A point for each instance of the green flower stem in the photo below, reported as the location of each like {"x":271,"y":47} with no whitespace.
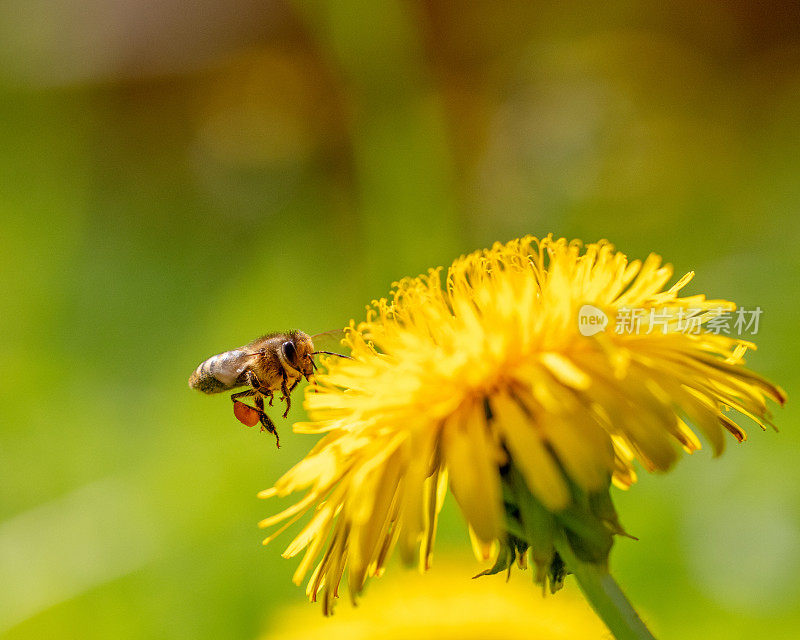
{"x":604,"y":594}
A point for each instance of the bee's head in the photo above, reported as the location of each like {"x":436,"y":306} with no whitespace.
{"x":297,"y":353}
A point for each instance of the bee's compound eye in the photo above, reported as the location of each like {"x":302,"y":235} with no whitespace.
{"x":289,"y":351}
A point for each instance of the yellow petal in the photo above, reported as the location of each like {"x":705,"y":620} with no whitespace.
{"x":468,"y":453}
{"x":529,"y":453}
{"x":564,"y":370}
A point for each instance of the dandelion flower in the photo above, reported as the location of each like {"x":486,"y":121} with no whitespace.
{"x":483,"y":382}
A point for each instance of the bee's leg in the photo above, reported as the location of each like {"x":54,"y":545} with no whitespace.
{"x":287,"y":394}
{"x":244,"y":413}
{"x":252,"y":380}
{"x":266,"y":422}
{"x":286,"y":397}
{"x":243,"y":394}
{"x":294,"y":384}
{"x":284,"y":390}
{"x":236,"y":401}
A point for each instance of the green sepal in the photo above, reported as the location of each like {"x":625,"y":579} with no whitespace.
{"x":538,"y":525}
{"x":589,"y":523}
{"x":590,"y":536}
{"x":505,"y":559}
{"x":601,"y":505}
{"x":557,"y":573}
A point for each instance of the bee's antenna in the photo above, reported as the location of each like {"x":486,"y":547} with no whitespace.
{"x":331,"y":353}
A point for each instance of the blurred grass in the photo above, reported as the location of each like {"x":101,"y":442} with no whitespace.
{"x":157,"y":211}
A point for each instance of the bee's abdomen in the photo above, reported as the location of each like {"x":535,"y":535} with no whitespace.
{"x":206,"y":382}
{"x":220,"y":372}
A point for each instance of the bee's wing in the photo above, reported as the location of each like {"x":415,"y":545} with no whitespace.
{"x":231,"y":364}
{"x":329,"y":340}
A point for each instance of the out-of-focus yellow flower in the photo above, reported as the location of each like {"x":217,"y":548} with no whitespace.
{"x":445,"y":606}
{"x":486,"y":384}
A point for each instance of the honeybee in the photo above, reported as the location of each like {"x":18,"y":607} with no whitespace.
{"x":271,"y":363}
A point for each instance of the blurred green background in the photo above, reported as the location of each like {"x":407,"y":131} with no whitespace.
{"x":178,"y":178}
